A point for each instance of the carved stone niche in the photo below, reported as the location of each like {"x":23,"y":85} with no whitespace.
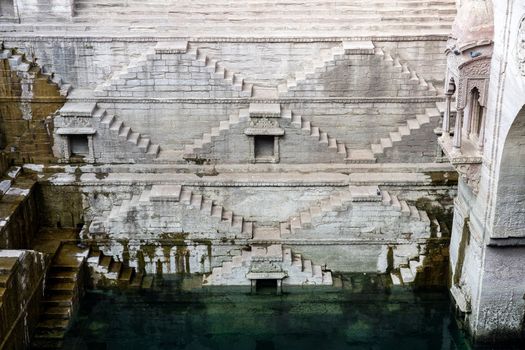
{"x":264,"y":133}
{"x":473,"y":74}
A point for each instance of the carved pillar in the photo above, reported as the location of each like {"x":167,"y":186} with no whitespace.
{"x":457,"y":131}
{"x":446,"y":116}
{"x":481,"y":135}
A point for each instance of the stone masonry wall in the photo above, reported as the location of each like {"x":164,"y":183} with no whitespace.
{"x":266,"y":63}
{"x":20,"y":306}
{"x":172,"y":125}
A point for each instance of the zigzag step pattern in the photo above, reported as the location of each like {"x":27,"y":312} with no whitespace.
{"x":297,"y":270}
{"x":213,"y":66}
{"x":406,"y":274}
{"x":404,"y":131}
{"x":116,"y":272}
{"x":118,"y":128}
{"x":337,"y":53}
{"x":338,"y":202}
{"x":243,"y":115}
{"x":176,"y":193}
{"x":406,"y":70}
{"x":18,"y":63}
{"x":112,"y":123}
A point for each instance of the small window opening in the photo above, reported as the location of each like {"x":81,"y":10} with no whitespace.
{"x":264,"y":148}
{"x":78,"y":145}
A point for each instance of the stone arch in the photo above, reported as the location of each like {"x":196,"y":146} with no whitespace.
{"x":475,"y":113}
{"x":510,"y":200}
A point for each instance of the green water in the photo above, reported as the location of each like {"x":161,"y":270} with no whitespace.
{"x":362,"y":315}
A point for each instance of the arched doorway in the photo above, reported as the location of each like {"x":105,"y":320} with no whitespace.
{"x":510,"y":203}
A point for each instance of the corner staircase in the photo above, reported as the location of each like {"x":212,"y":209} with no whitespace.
{"x":406,"y":274}
{"x":105,"y":271}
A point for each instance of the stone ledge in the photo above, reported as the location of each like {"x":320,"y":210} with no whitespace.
{"x":82,"y":37}
{"x":286,"y":242}
{"x":140,"y":100}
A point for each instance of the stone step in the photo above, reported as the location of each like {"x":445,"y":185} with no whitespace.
{"x":307,"y":267}
{"x":260,"y":110}
{"x":165,"y":193}
{"x":406,"y":275}
{"x":185,"y":196}
{"x":57,"y":312}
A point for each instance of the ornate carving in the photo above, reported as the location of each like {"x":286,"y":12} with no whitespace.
{"x":264,"y":123}
{"x":75,"y":122}
{"x":265,"y":266}
{"x":520,"y":47}
{"x":473,"y":74}
{"x":471,"y":174}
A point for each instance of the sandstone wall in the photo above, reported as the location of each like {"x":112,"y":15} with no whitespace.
{"x":20,"y":308}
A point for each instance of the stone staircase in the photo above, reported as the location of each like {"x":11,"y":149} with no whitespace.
{"x":306,"y":82}
{"x":406,"y":71}
{"x":253,"y":16}
{"x":110,"y":125}
{"x":63,"y":289}
{"x":219,"y":71}
{"x":403,"y":207}
{"x":337,"y":202}
{"x":105,"y":271}
{"x":192,"y":151}
{"x":117,"y":127}
{"x":128,"y":78}
{"x":224,"y":220}
{"x":317,"y":135}
{"x":314,"y":133}
{"x":267,"y":260}
{"x":340,"y":202}
{"x":18,"y":63}
{"x":403,"y":133}
{"x":406,"y":274}
{"x":312,"y":67}
{"x":131,"y":69}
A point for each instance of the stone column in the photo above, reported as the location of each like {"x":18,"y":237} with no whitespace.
{"x":481,"y":135}
{"x":457,"y":131}
{"x":446,"y":116}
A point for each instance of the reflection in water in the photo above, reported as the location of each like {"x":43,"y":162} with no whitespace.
{"x":363,"y":315}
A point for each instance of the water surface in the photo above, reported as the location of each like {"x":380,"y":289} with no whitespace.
{"x":365,"y":314}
